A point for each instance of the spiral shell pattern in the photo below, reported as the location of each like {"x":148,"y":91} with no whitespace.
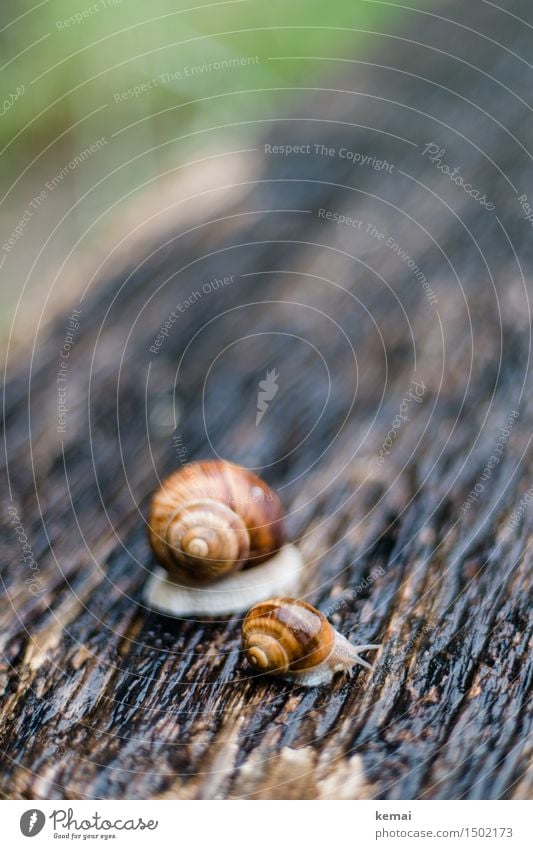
{"x":285,"y":635}
{"x":211,"y":518}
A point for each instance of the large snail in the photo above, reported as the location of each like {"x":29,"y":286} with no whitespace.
{"x":217,"y":531}
{"x":286,"y":637}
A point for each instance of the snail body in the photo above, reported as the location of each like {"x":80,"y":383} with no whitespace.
{"x":290,"y":638}
{"x":217,"y":531}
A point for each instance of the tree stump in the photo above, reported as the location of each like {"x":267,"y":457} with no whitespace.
{"x":391,"y":299}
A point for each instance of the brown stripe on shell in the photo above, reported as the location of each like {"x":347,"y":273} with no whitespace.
{"x":255,"y":507}
{"x":304,"y":634}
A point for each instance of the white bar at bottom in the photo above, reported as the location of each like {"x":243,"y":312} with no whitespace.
{"x":247,"y":824}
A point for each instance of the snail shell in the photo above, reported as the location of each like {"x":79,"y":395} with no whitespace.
{"x":290,"y":638}
{"x":212,"y":518}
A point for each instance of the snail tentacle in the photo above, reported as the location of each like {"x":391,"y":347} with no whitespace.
{"x":346,"y":656}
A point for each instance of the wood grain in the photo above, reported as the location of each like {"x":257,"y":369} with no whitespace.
{"x":419,"y":551}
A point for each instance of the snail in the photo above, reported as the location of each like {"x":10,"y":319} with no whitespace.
{"x":290,"y":638}
{"x":217,"y":531}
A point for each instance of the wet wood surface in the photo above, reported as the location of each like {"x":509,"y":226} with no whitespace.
{"x":399,"y":442}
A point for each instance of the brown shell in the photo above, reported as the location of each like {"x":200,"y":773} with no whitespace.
{"x":211,"y":518}
{"x":285,"y":635}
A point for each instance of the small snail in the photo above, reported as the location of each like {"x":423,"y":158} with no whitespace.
{"x":217,"y":531}
{"x":286,"y":637}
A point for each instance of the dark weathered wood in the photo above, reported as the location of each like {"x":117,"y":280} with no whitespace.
{"x":106,"y":699}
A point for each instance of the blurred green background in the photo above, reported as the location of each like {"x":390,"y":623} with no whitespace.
{"x":75,"y":70}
